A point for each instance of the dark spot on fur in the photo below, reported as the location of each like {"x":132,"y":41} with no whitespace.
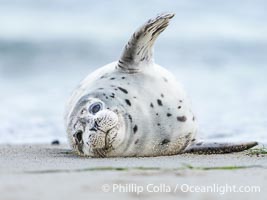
{"x":123,"y":90}
{"x":128,"y":102}
{"x":179,"y":107}
{"x":104,"y":94}
{"x":130,"y":117}
{"x":135,"y":128}
{"x":118,"y":65}
{"x":158,"y":124}
{"x":193,"y":140}
{"x":180,"y":101}
{"x":151,"y":105}
{"x":162,"y":95}
{"x":169,"y":114}
{"x":102,"y":77}
{"x":181,"y":118}
{"x":123,"y":77}
{"x":193,"y":118}
{"x":115,"y":89}
{"x":112,"y":95}
{"x":165,"y":79}
{"x":188,"y":135}
{"x":112,"y":78}
{"x":165,"y":141}
{"x":159,"y":102}
{"x":134,"y":97}
{"x":113,"y":85}
{"x":157,"y":114}
{"x":136,"y":141}
{"x":106,"y":97}
{"x":101,"y":88}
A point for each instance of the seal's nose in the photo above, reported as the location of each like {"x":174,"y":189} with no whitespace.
{"x":78,"y":136}
{"x":94,"y":127}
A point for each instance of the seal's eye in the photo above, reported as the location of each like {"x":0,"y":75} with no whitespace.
{"x":95,"y":107}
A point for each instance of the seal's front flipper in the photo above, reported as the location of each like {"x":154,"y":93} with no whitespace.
{"x":218,"y":148}
{"x":139,"y":50}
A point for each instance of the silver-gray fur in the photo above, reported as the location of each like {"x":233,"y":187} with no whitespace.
{"x":139,"y":49}
{"x":132,"y":107}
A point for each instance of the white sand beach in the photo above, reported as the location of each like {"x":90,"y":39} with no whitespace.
{"x":53,"y":172}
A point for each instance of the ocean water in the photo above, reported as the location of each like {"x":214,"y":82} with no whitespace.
{"x":217,"y":49}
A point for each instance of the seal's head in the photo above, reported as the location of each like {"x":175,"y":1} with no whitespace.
{"x":94,"y":130}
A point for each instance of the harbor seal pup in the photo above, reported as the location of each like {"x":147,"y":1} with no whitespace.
{"x":134,"y":107}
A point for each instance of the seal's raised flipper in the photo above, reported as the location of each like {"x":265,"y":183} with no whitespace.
{"x":218,"y":148}
{"x":139,"y":49}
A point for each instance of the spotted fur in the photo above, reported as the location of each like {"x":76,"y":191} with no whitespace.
{"x":147,"y":115}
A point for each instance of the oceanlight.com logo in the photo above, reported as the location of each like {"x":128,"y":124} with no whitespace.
{"x":221,"y":189}
{"x":165,"y":188}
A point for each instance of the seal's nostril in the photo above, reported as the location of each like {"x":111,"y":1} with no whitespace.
{"x":94,"y":128}
{"x":78,"y":135}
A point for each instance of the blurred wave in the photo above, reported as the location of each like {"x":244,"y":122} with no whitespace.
{"x":216,"y":49}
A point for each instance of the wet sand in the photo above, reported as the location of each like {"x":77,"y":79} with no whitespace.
{"x":53,"y":172}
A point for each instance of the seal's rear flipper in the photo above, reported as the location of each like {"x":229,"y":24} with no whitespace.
{"x":218,"y":148}
{"x":139,"y":49}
